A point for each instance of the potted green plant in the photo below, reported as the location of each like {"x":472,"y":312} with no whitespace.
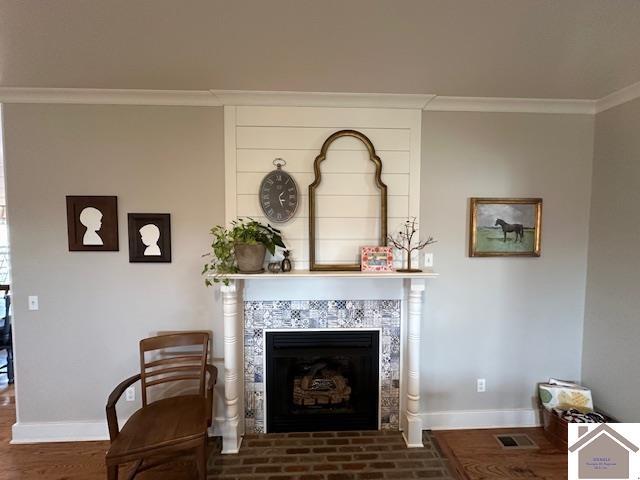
{"x":240,"y":248}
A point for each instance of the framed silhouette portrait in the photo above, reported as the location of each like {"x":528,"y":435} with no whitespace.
{"x":92,"y":223}
{"x":149,"y":237}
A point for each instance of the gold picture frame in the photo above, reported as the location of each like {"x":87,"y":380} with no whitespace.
{"x":313,"y":266}
{"x":505,"y":227}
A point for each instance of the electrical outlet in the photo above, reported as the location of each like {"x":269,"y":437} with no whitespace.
{"x":428,"y":259}
{"x":481,"y":385}
{"x":130,"y":394}
{"x":33,"y":302}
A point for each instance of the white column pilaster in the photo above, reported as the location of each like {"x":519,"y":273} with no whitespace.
{"x":233,"y":343}
{"x":413,"y":430}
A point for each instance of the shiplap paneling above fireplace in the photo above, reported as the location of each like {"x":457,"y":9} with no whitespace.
{"x":348,"y":201}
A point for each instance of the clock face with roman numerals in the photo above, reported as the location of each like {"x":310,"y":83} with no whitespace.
{"x":278,"y":196}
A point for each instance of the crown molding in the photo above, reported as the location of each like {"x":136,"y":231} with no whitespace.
{"x":619,"y":97}
{"x":321,"y":99}
{"x":96,"y":96}
{"x":436,"y":103}
{"x":510,"y":105}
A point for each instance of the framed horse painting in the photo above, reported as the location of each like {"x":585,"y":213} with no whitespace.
{"x":505,"y":227}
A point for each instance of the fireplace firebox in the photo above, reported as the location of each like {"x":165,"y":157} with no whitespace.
{"x":322,"y":380}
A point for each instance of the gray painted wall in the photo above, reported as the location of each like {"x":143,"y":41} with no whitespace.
{"x":488,"y":318}
{"x":95,"y":306}
{"x":513,"y":321}
{"x":612,"y":324}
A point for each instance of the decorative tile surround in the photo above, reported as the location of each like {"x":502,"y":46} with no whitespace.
{"x":321,"y":314}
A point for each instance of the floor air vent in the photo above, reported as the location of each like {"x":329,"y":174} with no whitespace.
{"x":516,"y":440}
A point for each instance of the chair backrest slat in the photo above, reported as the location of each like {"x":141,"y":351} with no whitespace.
{"x":175,"y":378}
{"x":180,"y":368}
{"x":174,"y":366}
{"x":179,"y":359}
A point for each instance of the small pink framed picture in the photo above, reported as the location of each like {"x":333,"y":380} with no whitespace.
{"x":376,"y":259}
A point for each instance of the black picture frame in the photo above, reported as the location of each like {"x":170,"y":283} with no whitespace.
{"x":158,"y":239}
{"x":92,"y":223}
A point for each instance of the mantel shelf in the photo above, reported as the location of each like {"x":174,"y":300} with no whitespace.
{"x":325,"y":274}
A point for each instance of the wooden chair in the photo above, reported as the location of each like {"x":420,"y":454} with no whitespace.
{"x":6,"y":338}
{"x":170,"y":427}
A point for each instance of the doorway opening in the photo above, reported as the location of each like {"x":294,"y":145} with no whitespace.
{"x":6,"y":333}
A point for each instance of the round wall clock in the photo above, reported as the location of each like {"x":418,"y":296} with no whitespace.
{"x":278,"y":194}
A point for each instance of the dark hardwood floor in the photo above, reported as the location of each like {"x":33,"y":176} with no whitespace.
{"x":296,"y":456}
{"x":68,"y":461}
{"x":476,"y":455}
{"x":324,"y":456}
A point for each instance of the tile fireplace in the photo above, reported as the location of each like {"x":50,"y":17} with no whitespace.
{"x":315,"y":318}
{"x":312,"y":351}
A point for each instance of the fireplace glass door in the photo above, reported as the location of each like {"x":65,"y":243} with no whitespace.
{"x":322,"y":380}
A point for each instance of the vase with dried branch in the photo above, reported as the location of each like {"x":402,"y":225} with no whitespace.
{"x":404,"y":241}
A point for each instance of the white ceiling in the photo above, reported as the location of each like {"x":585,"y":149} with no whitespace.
{"x":503,"y":48}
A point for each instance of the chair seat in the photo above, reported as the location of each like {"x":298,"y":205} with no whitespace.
{"x":164,"y":423}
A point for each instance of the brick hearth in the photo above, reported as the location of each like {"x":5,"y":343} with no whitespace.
{"x":330,"y":456}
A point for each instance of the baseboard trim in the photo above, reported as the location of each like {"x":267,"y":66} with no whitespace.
{"x":49,"y":432}
{"x":468,"y":419}
{"x":52,"y":432}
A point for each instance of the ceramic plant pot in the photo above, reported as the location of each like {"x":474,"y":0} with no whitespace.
{"x":250,"y":257}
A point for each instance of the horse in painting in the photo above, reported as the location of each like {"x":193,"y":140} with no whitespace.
{"x":511,"y":227}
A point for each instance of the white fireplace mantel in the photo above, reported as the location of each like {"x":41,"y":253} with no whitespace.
{"x":321,"y":274}
{"x":413,"y":286}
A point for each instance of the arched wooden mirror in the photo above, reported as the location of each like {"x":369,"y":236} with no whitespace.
{"x":314,"y":265}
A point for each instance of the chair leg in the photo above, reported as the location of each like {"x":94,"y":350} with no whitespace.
{"x":112,"y":472}
{"x":10,"y":374}
{"x":201,"y":460}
